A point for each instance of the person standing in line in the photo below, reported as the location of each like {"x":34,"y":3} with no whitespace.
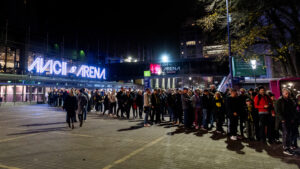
{"x":205,"y":109}
{"x":219,"y":111}
{"x":113,"y":103}
{"x":87,"y":104}
{"x":134,"y":105}
{"x":287,"y":110}
{"x":171,"y":104}
{"x":120,"y":99}
{"x":243,"y":115}
{"x":233,"y":106}
{"x":70,"y":105}
{"x":147,"y":106}
{"x":179,"y":111}
{"x":186,"y":106}
{"x":262,"y":102}
{"x":155,"y":103}
{"x":127,"y":103}
{"x":197,"y":105}
{"x":82,"y":103}
{"x":139,"y":101}
{"x":250,"y":127}
{"x":106,"y":102}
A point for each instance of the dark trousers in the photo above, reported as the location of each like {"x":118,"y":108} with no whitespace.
{"x":113,"y":108}
{"x":233,"y":125}
{"x":120,"y":108}
{"x":242,"y":124}
{"x":286,"y":134}
{"x":264,"y":122}
{"x":157,"y":114}
{"x":99,"y":107}
{"x":80,"y":117}
{"x":187,"y":118}
{"x":127,"y":110}
{"x":220,"y":118}
{"x":71,"y":117}
{"x":141,"y":111}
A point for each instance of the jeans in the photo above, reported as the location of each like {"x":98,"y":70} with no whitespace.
{"x":84,"y":110}
{"x":170,"y":112}
{"x":286,"y":135}
{"x":263,"y":123}
{"x":187,"y":118}
{"x":233,"y":125}
{"x":204,"y":114}
{"x":147,"y":110}
{"x":198,"y":115}
{"x":113,"y":107}
{"x":141,"y":111}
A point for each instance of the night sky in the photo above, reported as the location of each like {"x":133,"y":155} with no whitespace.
{"x":154,"y":23}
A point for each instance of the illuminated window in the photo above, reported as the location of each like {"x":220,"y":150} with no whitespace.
{"x":190,"y":43}
{"x":182,"y":52}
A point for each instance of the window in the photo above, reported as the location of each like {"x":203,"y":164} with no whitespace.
{"x":190,"y":43}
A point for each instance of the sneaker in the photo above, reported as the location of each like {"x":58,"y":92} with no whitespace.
{"x":288,"y":152}
{"x":197,"y":127}
{"x":233,"y":138}
{"x":219,"y":132}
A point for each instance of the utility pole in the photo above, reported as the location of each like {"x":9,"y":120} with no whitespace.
{"x":229,"y":46}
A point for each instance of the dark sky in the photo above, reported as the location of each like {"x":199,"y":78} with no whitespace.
{"x":155,"y":23}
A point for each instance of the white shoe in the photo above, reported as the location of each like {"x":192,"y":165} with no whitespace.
{"x":233,"y":138}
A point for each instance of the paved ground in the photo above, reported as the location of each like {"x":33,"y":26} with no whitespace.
{"x":36,"y":136}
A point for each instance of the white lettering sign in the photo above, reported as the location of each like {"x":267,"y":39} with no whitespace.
{"x":61,"y":68}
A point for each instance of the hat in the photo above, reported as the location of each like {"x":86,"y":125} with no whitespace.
{"x":185,"y":88}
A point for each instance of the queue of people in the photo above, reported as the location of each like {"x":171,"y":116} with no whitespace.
{"x":254,"y":114}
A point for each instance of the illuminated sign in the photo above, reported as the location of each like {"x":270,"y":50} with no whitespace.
{"x":155,"y":69}
{"x":147,"y":73}
{"x":61,"y":68}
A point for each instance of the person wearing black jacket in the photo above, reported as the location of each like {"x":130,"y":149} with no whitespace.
{"x":127,"y":103}
{"x":243,"y":114}
{"x":155,"y":101}
{"x":178,"y":108}
{"x":98,"y":101}
{"x":233,"y":110}
{"x":171,"y":105}
{"x":206,"y":108}
{"x":186,"y":106}
{"x":120,"y":99}
{"x":140,"y":103}
{"x":70,"y":105}
{"x":219,"y":111}
{"x":287,"y":110}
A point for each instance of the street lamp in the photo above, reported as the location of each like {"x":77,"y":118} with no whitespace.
{"x":229,"y":44}
{"x":253,"y":65}
{"x":165,"y":58}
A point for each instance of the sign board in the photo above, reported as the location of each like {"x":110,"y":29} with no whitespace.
{"x":147,"y":73}
{"x":170,"y":68}
{"x":147,"y":83}
{"x":155,"y":69}
{"x":55,"y":67}
{"x":243,"y":68}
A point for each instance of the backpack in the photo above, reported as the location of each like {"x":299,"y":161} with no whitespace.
{"x":83,"y":101}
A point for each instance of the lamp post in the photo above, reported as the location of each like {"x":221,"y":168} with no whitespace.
{"x":165,"y":58}
{"x":253,"y":65}
{"x":229,"y":45}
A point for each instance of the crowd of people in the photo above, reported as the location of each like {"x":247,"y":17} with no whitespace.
{"x":252,"y":114}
